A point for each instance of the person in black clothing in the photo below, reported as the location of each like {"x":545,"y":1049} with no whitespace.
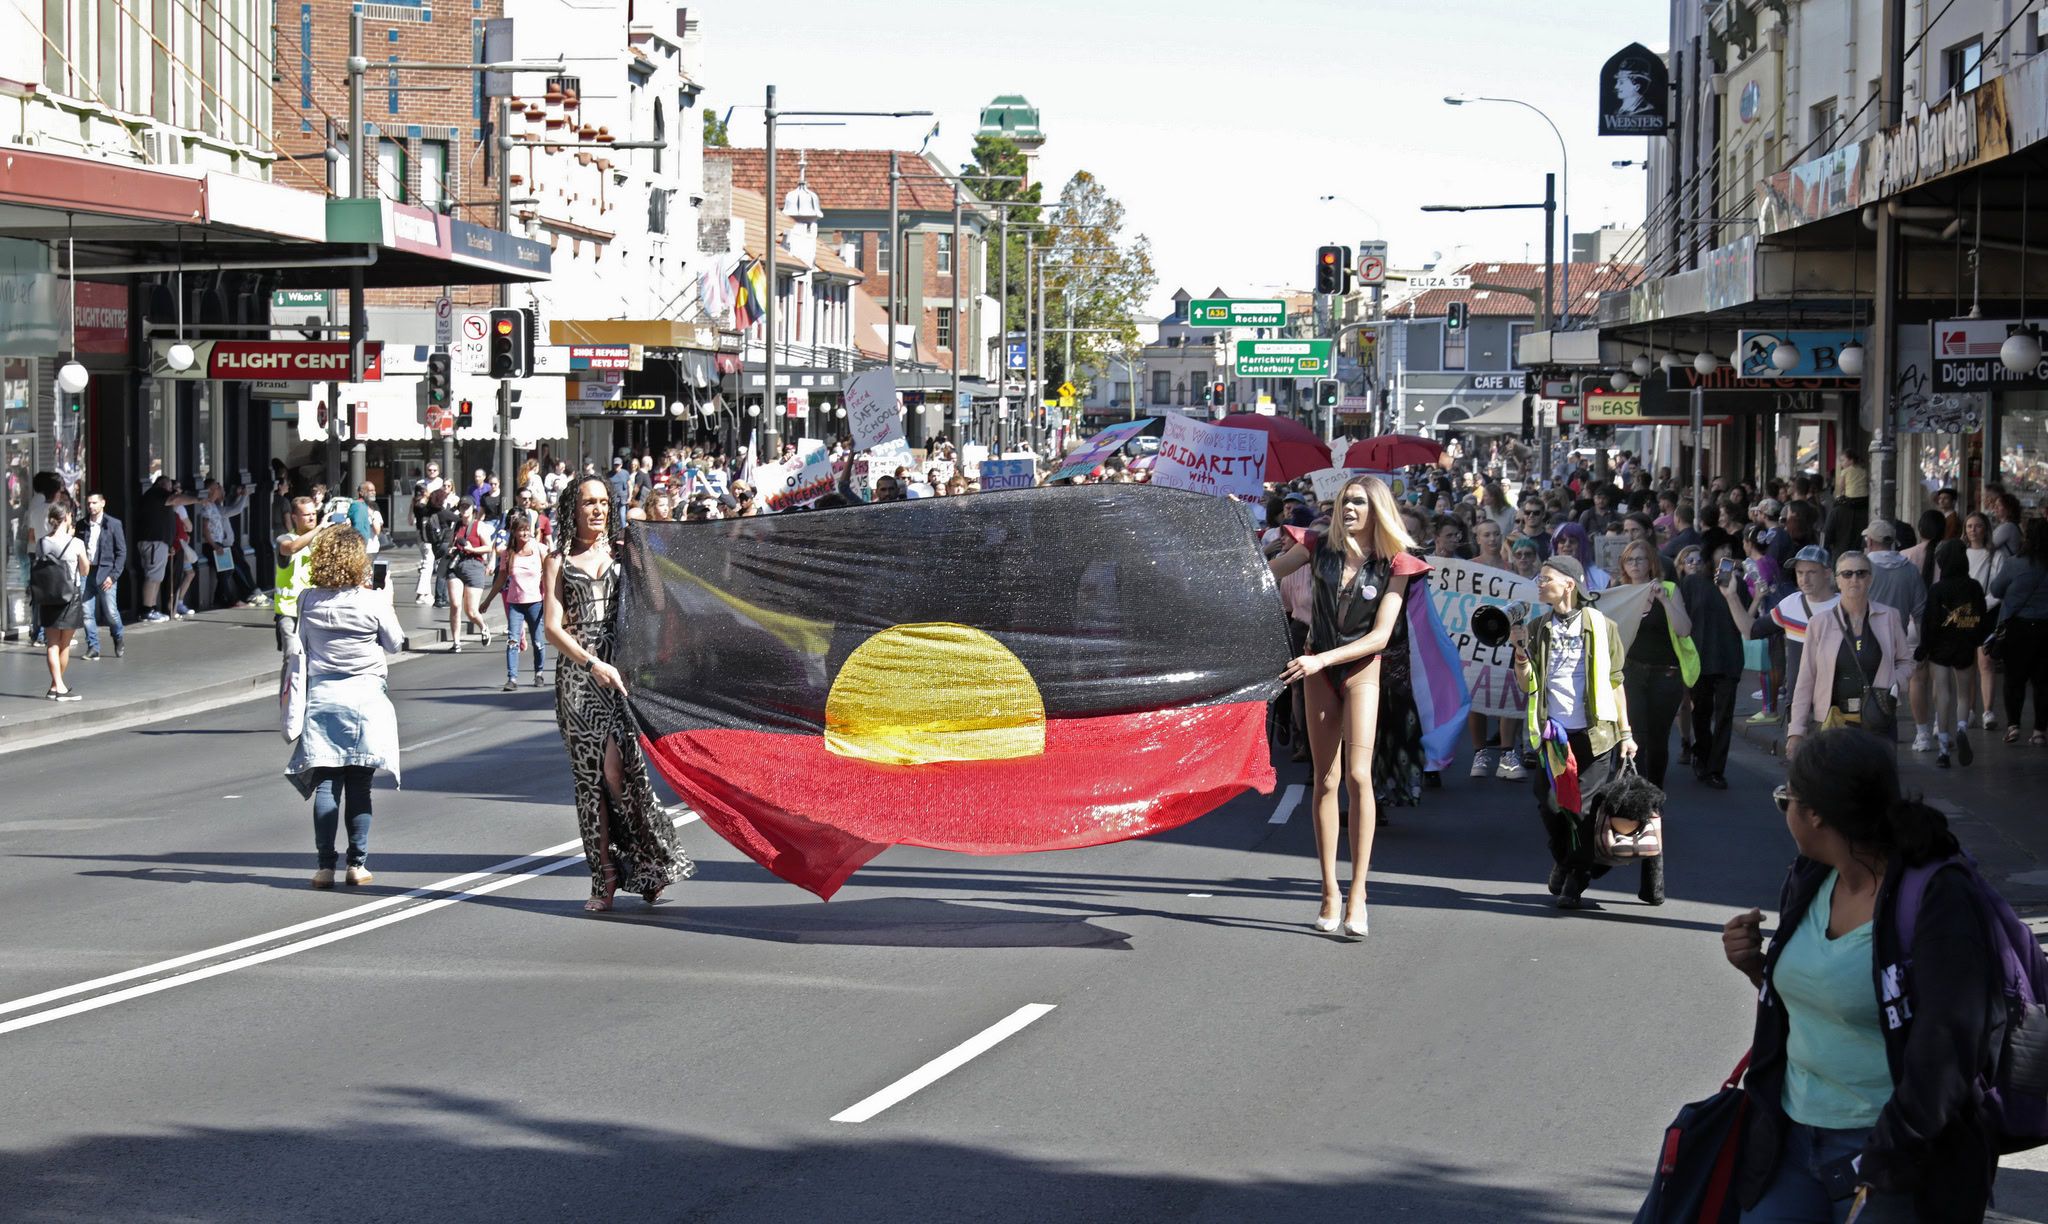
{"x":156,"y":539}
{"x":1683,"y":536}
{"x":1879,"y":1090}
{"x":430,"y":520}
{"x":1713,"y":601}
{"x":1954,"y":625}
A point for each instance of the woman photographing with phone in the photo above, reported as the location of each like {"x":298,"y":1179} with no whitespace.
{"x":1361,"y":570}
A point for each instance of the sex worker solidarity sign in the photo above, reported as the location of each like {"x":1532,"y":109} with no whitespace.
{"x":1211,"y":459}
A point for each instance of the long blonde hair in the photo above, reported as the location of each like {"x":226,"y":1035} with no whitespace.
{"x":1389,"y":535}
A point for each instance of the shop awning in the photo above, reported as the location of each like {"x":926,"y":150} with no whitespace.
{"x":648,"y":333}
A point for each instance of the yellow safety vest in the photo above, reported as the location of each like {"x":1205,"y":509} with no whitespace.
{"x":1600,"y":644}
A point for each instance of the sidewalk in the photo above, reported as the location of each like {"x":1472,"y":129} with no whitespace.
{"x":171,"y":668}
{"x":1989,"y":804}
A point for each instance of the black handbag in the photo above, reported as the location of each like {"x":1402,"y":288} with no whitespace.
{"x":1695,"y":1182}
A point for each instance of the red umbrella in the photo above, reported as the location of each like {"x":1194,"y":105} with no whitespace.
{"x":1292,"y":449}
{"x":1391,"y":452}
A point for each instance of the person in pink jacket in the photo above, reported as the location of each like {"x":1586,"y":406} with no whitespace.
{"x":1856,"y":643}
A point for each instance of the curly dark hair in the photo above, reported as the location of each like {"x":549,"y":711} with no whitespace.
{"x":565,"y":517}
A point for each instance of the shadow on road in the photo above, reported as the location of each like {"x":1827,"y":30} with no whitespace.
{"x":412,"y":1154}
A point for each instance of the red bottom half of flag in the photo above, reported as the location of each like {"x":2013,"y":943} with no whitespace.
{"x":812,"y":816}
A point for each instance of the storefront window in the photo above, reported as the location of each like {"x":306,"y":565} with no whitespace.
{"x":162,"y":402}
{"x":16,"y":374}
{"x":202,"y":436}
{"x":2023,"y":455}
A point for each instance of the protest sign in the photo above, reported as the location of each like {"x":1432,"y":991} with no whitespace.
{"x":971,"y":455}
{"x":885,"y":459}
{"x":872,"y":417}
{"x":1008,"y":474}
{"x":1092,"y":452}
{"x":1210,"y":458}
{"x":1607,"y":553}
{"x":784,"y":485}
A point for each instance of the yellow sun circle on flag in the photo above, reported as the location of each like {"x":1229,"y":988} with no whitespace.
{"x":919,"y":694}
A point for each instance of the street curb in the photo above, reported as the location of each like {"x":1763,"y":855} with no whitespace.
{"x":21,"y":736}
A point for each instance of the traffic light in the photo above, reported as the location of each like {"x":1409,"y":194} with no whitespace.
{"x":464,"y":413}
{"x":436,"y":389}
{"x":1328,"y":393}
{"x":1454,"y":316}
{"x":511,"y":341}
{"x":1217,"y":395}
{"x":1528,"y":418}
{"x":1208,"y":395}
{"x":1330,"y":269}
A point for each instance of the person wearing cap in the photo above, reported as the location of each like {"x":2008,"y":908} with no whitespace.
{"x":1568,"y":663}
{"x":1784,"y":623}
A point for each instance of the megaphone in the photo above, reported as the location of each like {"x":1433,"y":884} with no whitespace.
{"x":1492,"y":623}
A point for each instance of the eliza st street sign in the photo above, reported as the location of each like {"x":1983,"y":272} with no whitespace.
{"x":1235,"y":312}
{"x":1439,"y":280}
{"x":1284,"y":358}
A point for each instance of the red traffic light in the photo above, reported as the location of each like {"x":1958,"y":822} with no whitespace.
{"x":1329,"y":257}
{"x":504,"y":327}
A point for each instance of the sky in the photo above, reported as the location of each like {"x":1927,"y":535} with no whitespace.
{"x":1218,"y":125}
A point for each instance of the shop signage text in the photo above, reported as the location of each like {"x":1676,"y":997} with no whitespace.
{"x":1819,"y":353}
{"x":1497,"y":382}
{"x":1635,"y":93}
{"x":1283,"y":358}
{"x":269,"y":360}
{"x":1965,"y":356}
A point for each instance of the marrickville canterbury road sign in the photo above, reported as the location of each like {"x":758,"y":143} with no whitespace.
{"x":1233,"y":312}
{"x":1283,"y":358}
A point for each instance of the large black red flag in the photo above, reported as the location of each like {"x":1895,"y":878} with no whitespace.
{"x":1035,"y":669}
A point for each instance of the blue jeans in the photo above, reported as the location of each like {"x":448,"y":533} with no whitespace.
{"x":98,"y":600}
{"x":526,"y":617}
{"x":338,"y":794}
{"x":1797,"y":1195}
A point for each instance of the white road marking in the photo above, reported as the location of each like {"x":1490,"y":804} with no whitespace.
{"x":439,"y":739}
{"x":287,"y":949}
{"x":1289,"y":800}
{"x":945,"y":1064}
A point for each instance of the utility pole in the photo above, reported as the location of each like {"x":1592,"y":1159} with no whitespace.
{"x":953,"y":340}
{"x":1549,"y":300}
{"x":356,"y":319}
{"x":1884,"y":364}
{"x":502,"y":138}
{"x":895,"y":261}
{"x":1003,"y":314}
{"x":771,"y":404}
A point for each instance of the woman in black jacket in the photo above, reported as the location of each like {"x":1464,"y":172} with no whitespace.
{"x":1860,"y":1075}
{"x":1954,"y":625}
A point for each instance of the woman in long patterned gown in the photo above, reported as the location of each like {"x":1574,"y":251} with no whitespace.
{"x":628,"y":838}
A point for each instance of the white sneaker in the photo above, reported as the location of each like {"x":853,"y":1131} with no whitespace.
{"x":1923,"y":741}
{"x":1990,"y":721}
{"x":1483,"y":762}
{"x":1511,"y":768}
{"x":421,"y":599}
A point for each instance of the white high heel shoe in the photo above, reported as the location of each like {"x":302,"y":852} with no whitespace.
{"x":1357,"y":930}
{"x":1327,"y":925}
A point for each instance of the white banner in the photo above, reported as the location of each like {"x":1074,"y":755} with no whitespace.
{"x":871,"y":416}
{"x":1460,"y":588}
{"x":784,"y":485}
{"x":1328,"y":480}
{"x":1210,"y":458}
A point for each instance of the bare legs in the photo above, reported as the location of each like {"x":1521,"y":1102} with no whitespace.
{"x":614,"y":780}
{"x":1987,"y":680}
{"x":462,"y":601}
{"x":57,"y":655}
{"x":1341,"y":733}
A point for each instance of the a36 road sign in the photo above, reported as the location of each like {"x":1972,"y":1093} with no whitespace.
{"x":1234,"y":312}
{"x":1284,"y":358}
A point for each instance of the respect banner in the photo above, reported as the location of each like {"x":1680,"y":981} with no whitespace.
{"x":871,"y":411}
{"x":1458,"y":589}
{"x":1211,"y":459}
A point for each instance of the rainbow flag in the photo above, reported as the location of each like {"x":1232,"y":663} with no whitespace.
{"x":1561,"y":767}
{"x":1436,"y":671}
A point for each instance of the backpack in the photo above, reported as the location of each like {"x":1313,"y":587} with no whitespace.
{"x":2016,"y":1093}
{"x":52,"y":580}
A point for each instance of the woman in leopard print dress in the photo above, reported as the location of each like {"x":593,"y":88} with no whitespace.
{"x":627,"y":837}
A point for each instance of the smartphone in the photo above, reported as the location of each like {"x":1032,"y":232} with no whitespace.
{"x":380,"y":573}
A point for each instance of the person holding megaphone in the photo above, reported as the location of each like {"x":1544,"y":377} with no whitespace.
{"x":1568,"y":662}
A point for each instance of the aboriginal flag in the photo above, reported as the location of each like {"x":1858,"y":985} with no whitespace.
{"x":1032,"y":669}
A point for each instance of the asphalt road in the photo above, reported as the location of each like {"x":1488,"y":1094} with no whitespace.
{"x":505,"y":1057}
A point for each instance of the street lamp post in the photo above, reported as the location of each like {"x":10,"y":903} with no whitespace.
{"x":1564,"y":169}
{"x":773,"y":439}
{"x":1549,"y":207}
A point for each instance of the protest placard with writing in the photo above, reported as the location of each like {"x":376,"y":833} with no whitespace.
{"x":1328,"y":480}
{"x":871,"y":410}
{"x":1210,"y":458}
{"x":784,"y":485}
{"x":971,"y":455}
{"x":1458,"y":589}
{"x":1008,"y":474}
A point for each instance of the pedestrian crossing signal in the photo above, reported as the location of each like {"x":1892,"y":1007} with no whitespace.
{"x":464,"y":413}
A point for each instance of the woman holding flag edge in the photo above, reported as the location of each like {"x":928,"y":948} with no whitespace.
{"x":1361,"y":569}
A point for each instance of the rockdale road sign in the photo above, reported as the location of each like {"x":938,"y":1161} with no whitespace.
{"x":1283,"y":358}
{"x":1231,"y":312}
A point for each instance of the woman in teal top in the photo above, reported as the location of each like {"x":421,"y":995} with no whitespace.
{"x":1863,"y":1075}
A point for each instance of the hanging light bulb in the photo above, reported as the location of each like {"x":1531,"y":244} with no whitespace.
{"x":1851,"y":359}
{"x":2021,"y":352}
{"x":753,"y":410}
{"x":677,"y":409}
{"x":1706,"y":363}
{"x":707,"y":408}
{"x":1785,"y":356}
{"x":1622,"y":382}
{"x":839,"y":411}
{"x":179,"y":356}
{"x":1641,"y":365}
{"x":1670,"y":362}
{"x":71,"y":378}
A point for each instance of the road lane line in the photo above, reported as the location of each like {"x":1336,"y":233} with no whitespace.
{"x":1289,"y":800}
{"x":439,"y":739}
{"x":206,"y":954}
{"x":945,"y":1064}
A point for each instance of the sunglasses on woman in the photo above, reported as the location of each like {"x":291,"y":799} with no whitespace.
{"x":1784,"y":799}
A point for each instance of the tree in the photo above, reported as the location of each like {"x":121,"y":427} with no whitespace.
{"x":999,"y":155}
{"x":1094,"y":278}
{"x":715,"y":135}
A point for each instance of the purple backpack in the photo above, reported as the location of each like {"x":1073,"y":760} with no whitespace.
{"x":2017,"y":1090}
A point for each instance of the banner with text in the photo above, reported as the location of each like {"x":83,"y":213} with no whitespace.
{"x":1092,"y":452}
{"x":1210,"y":458}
